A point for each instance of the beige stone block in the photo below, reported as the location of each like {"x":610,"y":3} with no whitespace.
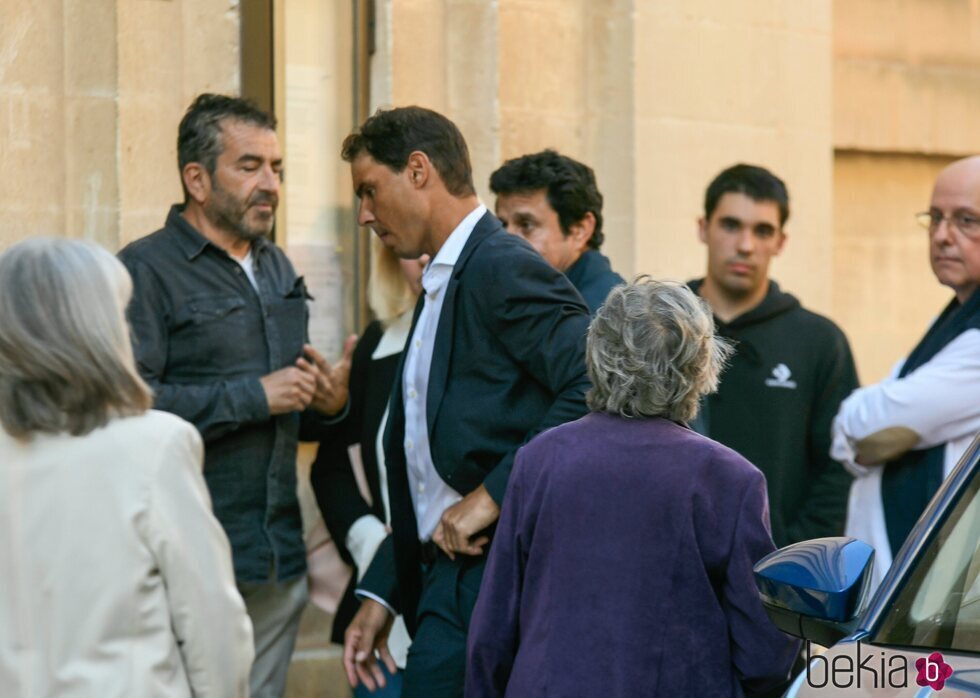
{"x":611,"y":152}
{"x":915,"y":32}
{"x":525,"y":131}
{"x":712,"y":63}
{"x":210,"y":41}
{"x":148,"y":150}
{"x":21,"y":222}
{"x":681,"y":74}
{"x":90,"y":47}
{"x":609,"y":71}
{"x":91,"y":175}
{"x":31,"y":45}
{"x":804,"y":77}
{"x":150,"y":46}
{"x":419,"y":54}
{"x":618,"y":243}
{"x":480,"y":127}
{"x":897,"y":107}
{"x":669,"y":185}
{"x":542,"y":55}
{"x":870,"y":28}
{"x":621,"y":8}
{"x":472,"y":83}
{"x":806,"y":15}
{"x":906,"y":75}
{"x":471,"y":43}
{"x":32,"y":131}
{"x":943,"y":32}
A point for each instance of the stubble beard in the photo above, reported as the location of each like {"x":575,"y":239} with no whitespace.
{"x":228,"y":213}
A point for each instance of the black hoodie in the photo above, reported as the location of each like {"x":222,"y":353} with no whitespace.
{"x":775,"y":405}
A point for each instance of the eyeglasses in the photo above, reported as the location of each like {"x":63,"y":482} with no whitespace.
{"x":967,"y":222}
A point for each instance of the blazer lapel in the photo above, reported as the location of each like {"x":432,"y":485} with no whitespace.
{"x":396,"y":406}
{"x":442,"y":351}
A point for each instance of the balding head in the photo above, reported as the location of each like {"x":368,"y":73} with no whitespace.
{"x":963,"y":173}
{"x":954,"y":236}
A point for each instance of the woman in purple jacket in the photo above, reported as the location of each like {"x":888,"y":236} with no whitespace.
{"x":622,"y":563}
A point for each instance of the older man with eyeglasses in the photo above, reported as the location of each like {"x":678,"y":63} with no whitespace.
{"x":902,"y":436}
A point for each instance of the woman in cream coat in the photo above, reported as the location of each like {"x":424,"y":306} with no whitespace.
{"x":115,"y":577}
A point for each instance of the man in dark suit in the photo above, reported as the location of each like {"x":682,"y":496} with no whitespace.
{"x":495,"y":355}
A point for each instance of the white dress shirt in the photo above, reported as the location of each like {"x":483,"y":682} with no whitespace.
{"x":430,"y":494}
{"x":938,"y":401}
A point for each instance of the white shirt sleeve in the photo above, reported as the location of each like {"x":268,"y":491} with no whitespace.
{"x":362,"y":594}
{"x":213,"y":632}
{"x":363,"y":539}
{"x":939,"y":401}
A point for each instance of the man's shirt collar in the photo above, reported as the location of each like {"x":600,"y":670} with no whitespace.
{"x":440,"y":267}
{"x":192,"y":241}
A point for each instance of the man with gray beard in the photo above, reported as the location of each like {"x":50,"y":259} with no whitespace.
{"x":219,"y":320}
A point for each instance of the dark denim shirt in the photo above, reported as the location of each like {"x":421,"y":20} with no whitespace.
{"x":203,"y":336}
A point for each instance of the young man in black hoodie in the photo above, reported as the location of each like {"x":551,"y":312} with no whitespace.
{"x":792,"y":368}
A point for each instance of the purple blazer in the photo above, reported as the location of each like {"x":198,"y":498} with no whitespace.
{"x":622,"y":566}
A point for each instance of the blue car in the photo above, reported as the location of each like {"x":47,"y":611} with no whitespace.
{"x":918,"y":633}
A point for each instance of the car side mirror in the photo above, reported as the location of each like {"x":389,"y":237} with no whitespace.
{"x":815,"y":589}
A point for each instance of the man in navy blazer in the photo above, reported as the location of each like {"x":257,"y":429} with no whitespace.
{"x":495,"y":356}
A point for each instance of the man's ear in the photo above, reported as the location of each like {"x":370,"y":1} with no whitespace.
{"x":197,"y":181}
{"x":419,"y":168}
{"x":782,"y":243}
{"x":703,"y":229}
{"x":581,"y":232}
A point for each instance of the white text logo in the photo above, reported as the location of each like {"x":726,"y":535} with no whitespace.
{"x":780,"y":378}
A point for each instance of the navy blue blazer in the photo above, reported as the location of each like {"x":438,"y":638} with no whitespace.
{"x":508,"y":363}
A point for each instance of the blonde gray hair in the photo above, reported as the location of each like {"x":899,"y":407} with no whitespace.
{"x":388,"y":292}
{"x":66,"y":362}
{"x":652,"y":351}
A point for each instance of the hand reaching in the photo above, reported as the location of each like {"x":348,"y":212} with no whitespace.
{"x":332,"y":381}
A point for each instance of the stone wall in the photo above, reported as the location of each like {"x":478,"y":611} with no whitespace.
{"x":658,"y":96}
{"x":91,"y":92}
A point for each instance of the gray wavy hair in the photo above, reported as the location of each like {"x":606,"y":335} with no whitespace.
{"x":652,"y":351}
{"x":66,"y":362}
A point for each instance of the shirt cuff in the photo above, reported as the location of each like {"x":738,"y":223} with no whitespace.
{"x":842,"y":450}
{"x":363,"y":539}
{"x":334,"y":418}
{"x":362,"y":594}
{"x":251,"y":403}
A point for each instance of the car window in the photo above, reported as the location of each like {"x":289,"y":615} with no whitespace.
{"x":939,"y":604}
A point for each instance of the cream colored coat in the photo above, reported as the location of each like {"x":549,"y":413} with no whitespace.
{"x":115,"y":577}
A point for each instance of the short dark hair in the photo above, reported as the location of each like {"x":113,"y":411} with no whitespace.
{"x":757,"y":183}
{"x":570,"y":185}
{"x":391,"y":135}
{"x":199,"y":134}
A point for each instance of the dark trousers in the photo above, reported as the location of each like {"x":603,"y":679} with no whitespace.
{"x":436,"y":666}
